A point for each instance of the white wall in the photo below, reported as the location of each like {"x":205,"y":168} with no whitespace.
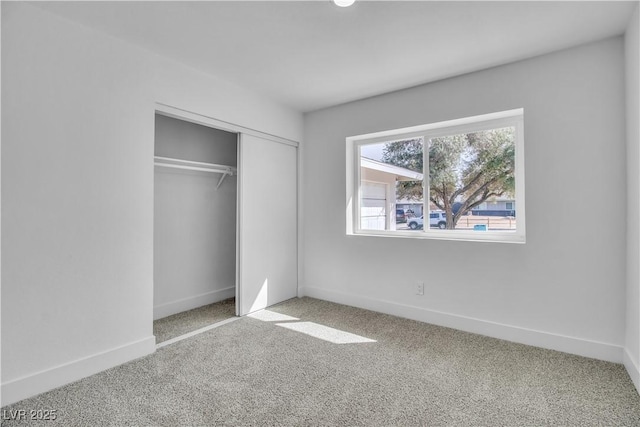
{"x":564,"y":288}
{"x":182,"y":139}
{"x":194,"y":243}
{"x":632,"y":336}
{"x":77,"y":192}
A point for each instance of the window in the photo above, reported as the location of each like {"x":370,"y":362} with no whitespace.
{"x":466,"y":175}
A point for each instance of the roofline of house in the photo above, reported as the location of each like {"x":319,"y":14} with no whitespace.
{"x":401,"y":174}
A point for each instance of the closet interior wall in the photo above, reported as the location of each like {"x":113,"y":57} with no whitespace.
{"x":194,"y":222}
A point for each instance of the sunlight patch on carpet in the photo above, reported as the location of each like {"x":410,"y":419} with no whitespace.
{"x":271,"y":316}
{"x":326,"y":333}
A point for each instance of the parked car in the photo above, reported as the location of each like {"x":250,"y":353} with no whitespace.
{"x":415,"y":223}
{"x":401,"y":216}
{"x":436,"y":219}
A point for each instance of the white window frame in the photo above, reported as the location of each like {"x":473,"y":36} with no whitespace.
{"x":508,"y":118}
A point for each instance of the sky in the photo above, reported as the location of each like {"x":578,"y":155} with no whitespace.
{"x":372,"y":151}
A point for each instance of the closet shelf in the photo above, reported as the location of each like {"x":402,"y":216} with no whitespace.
{"x":169,"y":162}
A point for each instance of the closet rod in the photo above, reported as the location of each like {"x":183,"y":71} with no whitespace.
{"x":160,"y":162}
{"x":224,"y":170}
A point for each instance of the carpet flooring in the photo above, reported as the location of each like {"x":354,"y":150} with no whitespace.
{"x":263,"y":371}
{"x":178,"y":324}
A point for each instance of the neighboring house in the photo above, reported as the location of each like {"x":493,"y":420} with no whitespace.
{"x":416,"y":206}
{"x":498,"y":206}
{"x":378,"y":193}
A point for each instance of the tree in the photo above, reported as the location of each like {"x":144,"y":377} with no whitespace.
{"x":406,"y":154}
{"x":465,"y":170}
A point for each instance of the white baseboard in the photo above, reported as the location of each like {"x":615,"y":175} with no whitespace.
{"x":567,"y":344}
{"x":40,"y":382}
{"x":632,"y":369}
{"x":189,"y":303}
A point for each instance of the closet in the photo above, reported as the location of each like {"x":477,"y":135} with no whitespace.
{"x":225,"y":217}
{"x":195,"y":198}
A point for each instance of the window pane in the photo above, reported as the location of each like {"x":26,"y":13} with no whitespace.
{"x":472,"y":180}
{"x":391,"y":185}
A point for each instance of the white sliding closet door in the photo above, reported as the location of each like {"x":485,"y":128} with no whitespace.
{"x":267,"y":236}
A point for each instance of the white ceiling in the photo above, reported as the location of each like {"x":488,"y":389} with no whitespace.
{"x":313,"y":54}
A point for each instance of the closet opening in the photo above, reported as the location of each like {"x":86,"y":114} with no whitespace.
{"x":195,"y":226}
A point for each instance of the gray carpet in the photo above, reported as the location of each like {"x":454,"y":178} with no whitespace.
{"x":178,"y":324}
{"x":253,"y":372}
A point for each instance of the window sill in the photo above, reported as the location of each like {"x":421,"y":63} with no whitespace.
{"x":465,"y":236}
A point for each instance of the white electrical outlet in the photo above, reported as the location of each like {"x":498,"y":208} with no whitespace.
{"x":420,"y":288}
